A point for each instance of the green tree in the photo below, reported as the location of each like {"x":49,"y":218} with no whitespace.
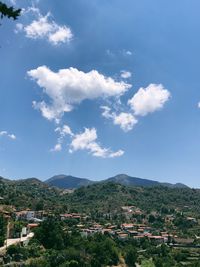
{"x":50,"y":234}
{"x":72,"y":263}
{"x":151,"y":218}
{"x":103,"y":251}
{"x":39,"y":205}
{"x":17,"y":253}
{"x":3,"y":228}
{"x":9,"y":12}
{"x":40,"y":262}
{"x":131,"y":257}
{"x":158,"y":262}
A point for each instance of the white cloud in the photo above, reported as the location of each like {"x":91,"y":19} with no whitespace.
{"x":199,"y":105}
{"x":126,"y":74}
{"x":39,"y":28}
{"x":149,"y":99}
{"x":116,"y":154}
{"x":31,"y":9}
{"x":43,"y":27}
{"x":61,"y":34}
{"x":125,"y":120}
{"x":54,"y":111}
{"x":127,"y":52}
{"x":71,"y":86}
{"x":63,"y":132}
{"x":87,"y":141}
{"x":12,"y":136}
{"x":57,"y":147}
{"x":107,"y":112}
{"x":146,"y":100}
{"x":6,"y":134}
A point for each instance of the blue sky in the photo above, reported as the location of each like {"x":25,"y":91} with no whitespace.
{"x":96,"y":88}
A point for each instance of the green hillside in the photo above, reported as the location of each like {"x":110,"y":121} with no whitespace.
{"x":29,"y":193}
{"x":103,"y":197}
{"x":107,"y":197}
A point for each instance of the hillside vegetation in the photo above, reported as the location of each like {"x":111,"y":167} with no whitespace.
{"x":107,"y":197}
{"x":29,"y":193}
{"x":102,"y":197}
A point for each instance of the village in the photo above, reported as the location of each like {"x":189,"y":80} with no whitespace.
{"x":135,"y":224}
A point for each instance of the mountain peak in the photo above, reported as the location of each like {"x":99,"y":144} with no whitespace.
{"x":67,"y":181}
{"x":122,"y":176}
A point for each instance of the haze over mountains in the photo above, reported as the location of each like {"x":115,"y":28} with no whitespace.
{"x":71,"y":182}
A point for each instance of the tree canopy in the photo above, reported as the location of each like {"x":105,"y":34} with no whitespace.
{"x":2,"y":230}
{"x":9,"y":12}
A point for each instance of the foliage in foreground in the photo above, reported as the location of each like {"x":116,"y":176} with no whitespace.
{"x":9,"y":12}
{"x":72,"y":250}
{"x":3,"y":226}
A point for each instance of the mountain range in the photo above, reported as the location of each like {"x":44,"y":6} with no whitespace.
{"x":71,"y":182}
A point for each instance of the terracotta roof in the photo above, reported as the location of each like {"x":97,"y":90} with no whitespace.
{"x":32,"y":225}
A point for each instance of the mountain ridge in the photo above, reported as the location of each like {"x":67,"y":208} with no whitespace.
{"x":63,"y":181}
{"x":67,"y":181}
{"x":71,"y":182}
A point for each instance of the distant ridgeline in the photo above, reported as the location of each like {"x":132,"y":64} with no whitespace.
{"x":105,"y":196}
{"x":70,"y":182}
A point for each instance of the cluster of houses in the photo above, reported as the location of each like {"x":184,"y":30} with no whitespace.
{"x":133,"y":229}
{"x":125,"y":231}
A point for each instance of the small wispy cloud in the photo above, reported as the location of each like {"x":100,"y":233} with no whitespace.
{"x":125,"y":74}
{"x":125,"y":120}
{"x":9,"y":135}
{"x":86,"y":141}
{"x":63,"y":131}
{"x":128,"y":52}
{"x":44,"y":27}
